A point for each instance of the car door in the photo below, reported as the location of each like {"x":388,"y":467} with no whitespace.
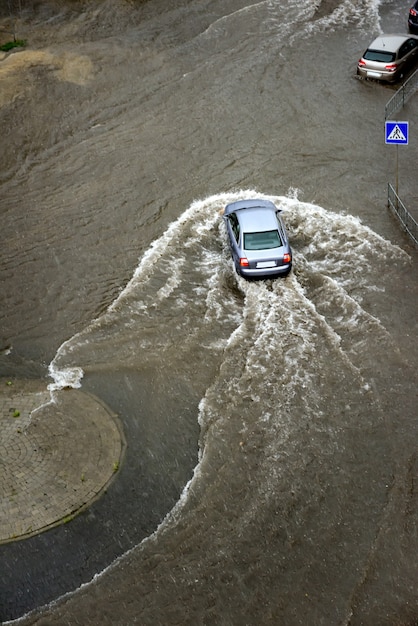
{"x":413,"y":51}
{"x":233,"y":236}
{"x":407,"y":54}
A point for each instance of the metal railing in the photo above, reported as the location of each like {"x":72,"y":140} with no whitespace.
{"x":404,"y":216}
{"x":403,"y":94}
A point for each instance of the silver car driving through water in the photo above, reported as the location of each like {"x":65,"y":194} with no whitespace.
{"x":258,"y":239}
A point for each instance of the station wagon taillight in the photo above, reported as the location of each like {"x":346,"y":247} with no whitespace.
{"x":244,"y":262}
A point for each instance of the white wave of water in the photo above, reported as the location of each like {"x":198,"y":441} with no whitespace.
{"x":272,"y":343}
{"x":285,"y":336}
{"x":183,"y":277}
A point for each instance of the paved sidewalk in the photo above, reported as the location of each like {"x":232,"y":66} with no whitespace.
{"x":56,"y":455}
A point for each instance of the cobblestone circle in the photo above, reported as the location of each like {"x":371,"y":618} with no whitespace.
{"x":58,"y":452}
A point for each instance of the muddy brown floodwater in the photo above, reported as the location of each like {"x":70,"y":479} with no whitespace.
{"x":270,"y":469}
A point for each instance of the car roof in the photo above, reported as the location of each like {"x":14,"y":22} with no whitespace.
{"x":254,"y":215}
{"x":249,"y":204}
{"x":390,"y":43}
{"x":257,"y":219}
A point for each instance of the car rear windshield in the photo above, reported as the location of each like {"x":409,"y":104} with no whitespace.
{"x":379,"y":55}
{"x":262,"y":241}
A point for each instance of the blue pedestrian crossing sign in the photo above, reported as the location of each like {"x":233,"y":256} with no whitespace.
{"x":396,"y":132}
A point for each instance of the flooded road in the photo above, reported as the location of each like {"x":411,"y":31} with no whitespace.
{"x":271,"y":427}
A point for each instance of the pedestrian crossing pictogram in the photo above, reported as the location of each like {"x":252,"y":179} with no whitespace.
{"x":396,"y":132}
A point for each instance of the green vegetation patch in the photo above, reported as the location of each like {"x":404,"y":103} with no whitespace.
{"x":18,"y":43}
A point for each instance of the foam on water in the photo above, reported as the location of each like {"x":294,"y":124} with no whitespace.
{"x":274,"y":342}
{"x":185,"y":276}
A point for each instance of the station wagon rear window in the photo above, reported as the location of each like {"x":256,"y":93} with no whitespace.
{"x":379,"y":55}
{"x":262,"y":241}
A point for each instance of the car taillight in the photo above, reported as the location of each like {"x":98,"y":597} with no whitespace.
{"x":362,"y":62}
{"x":287,"y":258}
{"x":391,"y":67}
{"x":244,"y":262}
{"x":412,"y":12}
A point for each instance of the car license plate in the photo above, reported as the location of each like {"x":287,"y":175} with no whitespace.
{"x":374,"y":74}
{"x":266,"y":264}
